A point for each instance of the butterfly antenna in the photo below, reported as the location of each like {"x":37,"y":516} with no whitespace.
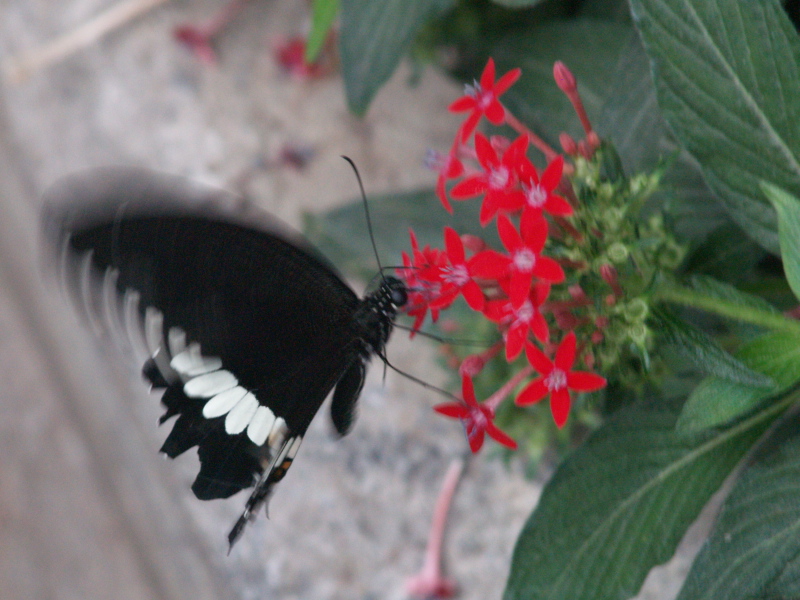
{"x":366,"y":212}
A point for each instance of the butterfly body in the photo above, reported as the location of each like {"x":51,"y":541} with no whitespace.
{"x":243,"y":324}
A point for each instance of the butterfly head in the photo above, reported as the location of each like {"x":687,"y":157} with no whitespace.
{"x":395,"y":290}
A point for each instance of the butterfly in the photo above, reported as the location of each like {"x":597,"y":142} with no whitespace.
{"x":244,"y":325}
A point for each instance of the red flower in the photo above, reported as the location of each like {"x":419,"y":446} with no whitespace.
{"x":456,"y":277}
{"x":523,"y":262}
{"x":198,"y":41}
{"x":498,"y":180}
{"x":557,"y":379}
{"x":418,"y":273}
{"x":520,"y":321}
{"x":291,"y":56}
{"x":482,"y":99}
{"x":477,"y":418}
{"x":538,"y":193}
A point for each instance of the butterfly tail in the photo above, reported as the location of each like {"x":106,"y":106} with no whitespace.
{"x":263,"y":490}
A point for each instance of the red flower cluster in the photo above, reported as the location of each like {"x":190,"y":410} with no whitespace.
{"x":510,"y":288}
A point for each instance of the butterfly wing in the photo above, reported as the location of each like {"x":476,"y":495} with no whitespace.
{"x":246,"y":327}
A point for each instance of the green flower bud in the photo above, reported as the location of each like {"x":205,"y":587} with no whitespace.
{"x":617,"y":252}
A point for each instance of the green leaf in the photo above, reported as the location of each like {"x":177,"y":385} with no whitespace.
{"x":754,"y":550}
{"x":707,"y":356}
{"x":724,"y":291}
{"x":373,"y":38}
{"x":788,"y":208}
{"x":621,"y":503}
{"x":341,"y":234}
{"x":727,"y":254}
{"x":716,"y":401}
{"x":727,"y":79}
{"x":323,"y":13}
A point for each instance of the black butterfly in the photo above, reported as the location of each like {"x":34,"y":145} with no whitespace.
{"x":244,"y":325}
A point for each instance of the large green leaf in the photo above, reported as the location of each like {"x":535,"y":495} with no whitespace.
{"x":727,"y":78}
{"x":726,"y":254}
{"x":373,"y":38}
{"x":788,"y":208}
{"x":754,"y":550}
{"x":621,"y":503}
{"x":716,"y":401}
{"x":707,"y":356}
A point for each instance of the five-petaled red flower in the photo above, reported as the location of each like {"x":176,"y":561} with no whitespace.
{"x":498,"y":179}
{"x":537,"y":193}
{"x":455,"y":277}
{"x":482,"y":99}
{"x":520,"y":321}
{"x":557,"y":378}
{"x":478,"y":419}
{"x":523,"y":261}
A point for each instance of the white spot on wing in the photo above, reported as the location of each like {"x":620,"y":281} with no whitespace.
{"x":191,"y":363}
{"x":223,"y":402}
{"x":241,"y":414}
{"x":260,"y":425}
{"x":210,"y":384}
{"x":176,"y":338}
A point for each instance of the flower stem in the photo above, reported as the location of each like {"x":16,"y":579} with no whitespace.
{"x":495,"y":399}
{"x":430,"y":582}
{"x":725,"y":308}
{"x":519,"y":127}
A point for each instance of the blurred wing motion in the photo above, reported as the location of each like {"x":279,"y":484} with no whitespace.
{"x":245,"y":327}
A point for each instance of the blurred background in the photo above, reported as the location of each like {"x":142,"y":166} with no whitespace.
{"x":88,"y":509}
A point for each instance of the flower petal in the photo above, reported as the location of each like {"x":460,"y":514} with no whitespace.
{"x":520,"y":287}
{"x":462,"y":104}
{"x":559,"y":406}
{"x":486,"y":154}
{"x":565,"y":355}
{"x":548,"y":269}
{"x":452,"y":409}
{"x":552,"y":174}
{"x":468,"y":391}
{"x":487,"y":77}
{"x":583,"y":381}
{"x":538,"y":360}
{"x":473,"y":295}
{"x":454,"y":246}
{"x":508,"y":234}
{"x":506,"y":81}
{"x":515,"y":341}
{"x":469,"y":187}
{"x":500,"y":436}
{"x":533,"y":392}
{"x":489,"y":264}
